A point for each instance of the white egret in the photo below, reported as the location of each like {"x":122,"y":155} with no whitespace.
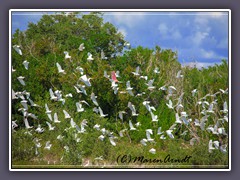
{"x":103,"y":55}
{"x":194,"y":92}
{"x":101,"y":137}
{"x":69,"y":95}
{"x":17,"y":49}
{"x":101,"y":112}
{"x":153,"y":151}
{"x":32,"y":103}
{"x":149,"y":108}
{"x":83,"y":90}
{"x":26,"y":123}
{"x":60,"y":70}
{"x":129,"y":88}
{"x":97,"y":127}
{"x":179,"y":75}
{"x":144,"y":142}
{"x":131,"y":126}
{"x":112,"y":141}
{"x":51,"y":128}
{"x":210,"y":146}
{"x":24,"y":104}
{"x":25,"y":63}
{"x":20,"y":79}
{"x":85,"y":80}
{"x":13,"y":70}
{"x":14,"y":124}
{"x":60,"y":137}
{"x":52,"y":96}
{"x":169,"y":133}
{"x":178,"y":120}
{"x":81,"y":47}
{"x":148,"y":132}
{"x":80,"y":69}
{"x":55,"y":117}
{"x":93,"y":98}
{"x":225,"y":108}
{"x":67,"y":116}
{"x":154,"y":117}
{"x":90,"y":58}
{"x":136,"y":73}
{"x":120,"y":114}
{"x":150,"y":85}
{"x":156,"y":70}
{"x":48,"y":145}
{"x":78,"y":91}
{"x":169,"y":105}
{"x":159,"y":131}
{"x":79,"y":107}
{"x":48,"y":112}
{"x":143,"y":77}
{"x":132,"y":107}
{"x":67,"y":55}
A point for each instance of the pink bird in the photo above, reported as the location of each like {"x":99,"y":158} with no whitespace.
{"x":114,"y":78}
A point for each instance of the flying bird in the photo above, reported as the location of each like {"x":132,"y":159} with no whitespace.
{"x":20,"y":79}
{"x":93,"y":98}
{"x":17,"y":49}
{"x":25,"y":63}
{"x":60,"y":70}
{"x":85,"y":80}
{"x":136,"y":72}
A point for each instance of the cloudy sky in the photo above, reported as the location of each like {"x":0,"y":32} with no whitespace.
{"x":196,"y":36}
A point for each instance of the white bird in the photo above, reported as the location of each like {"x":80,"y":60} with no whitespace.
{"x":85,"y":80}
{"x":154,"y":117}
{"x":225,"y":108}
{"x":25,"y":63}
{"x":24,"y":104}
{"x":143,"y":77}
{"x":132,"y":107}
{"x":210,"y":108}
{"x":93,"y":98}
{"x":56,"y":118}
{"x":95,"y":109}
{"x":112,"y":141}
{"x":194,"y":92}
{"x":222,"y":131}
{"x":32,"y":103}
{"x":26,"y":123}
{"x":179,"y":75}
{"x":97,"y":127}
{"x":101,"y":137}
{"x":169,"y":133}
{"x":193,"y":141}
{"x":80,"y":69}
{"x":184,"y":120}
{"x":150,"y":85}
{"x":153,"y":151}
{"x":144,"y":142}
{"x":170,"y":105}
{"x":81,"y":47}
{"x":79,"y":107}
{"x":149,"y":108}
{"x":129,"y":88}
{"x":103,"y":55}
{"x":163,"y":88}
{"x":69,"y":95}
{"x":67,"y":55}
{"x":224,"y":91}
{"x":120,"y":114}
{"x":48,"y":112}
{"x":136,"y":73}
{"x":60,"y":137}
{"x":117,"y":74}
{"x":83,"y":90}
{"x":60,"y":70}
{"x":101,"y":112}
{"x":156,"y":70}
{"x":223,"y":148}
{"x":51,"y":128}
{"x":17,"y":49}
{"x":78,"y":91}
{"x":210,"y":146}
{"x":14,"y":125}
{"x":14,"y":95}
{"x":85,"y":102}
{"x":131,"y":126}
{"x":39,"y":129}
{"x":162,"y":137}
{"x":159,"y":131}
{"x":148,"y":132}
{"x":52,"y":96}
{"x":90,"y":58}
{"x":67,"y":116}
{"x":13,"y":70}
{"x":72,"y":123}
{"x":20,"y":79}
{"x":196,"y":122}
{"x":121,"y":132}
{"x":202,"y":123}
{"x":48,"y":145}
{"x":178,"y":120}
{"x":106,"y":75}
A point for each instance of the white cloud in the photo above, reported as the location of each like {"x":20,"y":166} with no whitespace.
{"x":198,"y":65}
{"x":198,"y":37}
{"x":163,"y":29}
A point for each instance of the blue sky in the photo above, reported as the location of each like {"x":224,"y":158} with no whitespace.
{"x":196,"y":36}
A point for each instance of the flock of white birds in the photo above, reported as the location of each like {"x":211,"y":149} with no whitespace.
{"x":208,"y":109}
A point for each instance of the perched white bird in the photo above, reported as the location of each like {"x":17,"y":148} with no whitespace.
{"x":80,"y":69}
{"x":163,"y":88}
{"x":48,"y":145}
{"x":81,"y":47}
{"x":223,"y":148}
{"x":117,"y":74}
{"x":78,"y":91}
{"x":144,"y":77}
{"x":48,"y":112}
{"x":169,"y":133}
{"x":179,"y":75}
{"x":196,"y":122}
{"x":69,"y":95}
{"x":101,"y":112}
{"x":90,"y":58}
{"x":154,"y":117}
{"x":101,"y":137}
{"x":79,"y":107}
{"x":67,"y":55}
{"x":178,"y":120}
{"x":170,"y":105}
{"x":51,"y":128}
{"x":194,"y":92}
{"x":83,"y":90}
{"x":52,"y":96}
{"x":60,"y":70}
{"x":129,"y":88}
{"x":97,"y":127}
{"x":159,"y":131}
{"x":103,"y":55}
{"x":85,"y":80}
{"x":32,"y":103}
{"x":148,"y":132}
{"x":132,"y":107}
{"x":156,"y":70}
{"x":120,"y":114}
{"x":24,"y":104}
{"x":149,"y":108}
{"x":72,"y":123}
{"x":136,"y":73}
{"x":14,"y":125}
{"x":150,"y":85}
{"x":93,"y":98}
{"x":112,"y":141}
{"x":13,"y":70}
{"x":25,"y":63}
{"x":144,"y":142}
{"x":225,"y":108}
{"x":224,"y":91}
{"x":17,"y":49}
{"x":26,"y":123}
{"x":153,"y":151}
{"x":55,"y":117}
{"x":67,"y":116}
{"x":20,"y":79}
{"x":210,"y":146}
{"x":131,"y":126}
{"x":60,"y":137}
{"x":184,"y":120}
